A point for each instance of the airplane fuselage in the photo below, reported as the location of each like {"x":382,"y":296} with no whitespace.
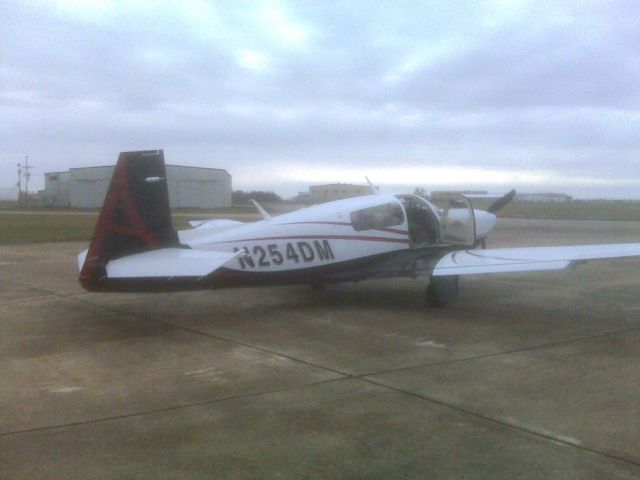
{"x":335,"y":241}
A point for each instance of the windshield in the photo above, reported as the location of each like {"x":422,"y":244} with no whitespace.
{"x":380,"y":216}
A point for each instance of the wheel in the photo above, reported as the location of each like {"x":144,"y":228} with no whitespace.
{"x":441,"y":290}
{"x":432,"y":297}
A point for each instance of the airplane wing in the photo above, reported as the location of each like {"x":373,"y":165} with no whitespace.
{"x":502,"y":260}
{"x":165,"y":262}
{"x":219,"y":223}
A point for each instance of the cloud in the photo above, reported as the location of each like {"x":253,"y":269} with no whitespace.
{"x":545,"y":88}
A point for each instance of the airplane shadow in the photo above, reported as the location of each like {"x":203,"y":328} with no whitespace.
{"x":365,"y":297}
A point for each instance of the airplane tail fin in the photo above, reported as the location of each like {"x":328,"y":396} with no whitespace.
{"x":135,"y":216}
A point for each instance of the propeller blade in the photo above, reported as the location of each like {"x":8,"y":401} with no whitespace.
{"x":501,"y":202}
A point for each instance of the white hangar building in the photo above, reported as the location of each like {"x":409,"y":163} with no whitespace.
{"x":189,"y":187}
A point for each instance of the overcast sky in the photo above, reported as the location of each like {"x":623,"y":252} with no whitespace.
{"x":542,"y":96}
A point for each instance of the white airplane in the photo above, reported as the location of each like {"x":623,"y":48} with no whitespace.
{"x":135,"y":248}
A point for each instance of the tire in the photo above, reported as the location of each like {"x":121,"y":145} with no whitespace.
{"x":432,"y":297}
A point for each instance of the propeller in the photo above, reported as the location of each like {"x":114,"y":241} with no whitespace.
{"x":501,"y":202}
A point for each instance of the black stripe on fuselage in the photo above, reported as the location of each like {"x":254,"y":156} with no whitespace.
{"x":363,"y":238}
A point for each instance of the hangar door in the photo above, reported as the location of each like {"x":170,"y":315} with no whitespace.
{"x":196,"y":193}
{"x":90,"y":193}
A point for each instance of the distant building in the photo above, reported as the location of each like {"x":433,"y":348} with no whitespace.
{"x":437,"y":194}
{"x":543,"y":197}
{"x":189,"y":187}
{"x":57,"y":190}
{"x":302,"y":197}
{"x":336,"y":191}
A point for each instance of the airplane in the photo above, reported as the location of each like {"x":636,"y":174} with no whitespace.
{"x":135,"y":248}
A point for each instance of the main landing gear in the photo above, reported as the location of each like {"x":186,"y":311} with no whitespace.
{"x":441,"y":289}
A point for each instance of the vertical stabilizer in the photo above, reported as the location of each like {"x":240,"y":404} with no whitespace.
{"x":135,"y":216}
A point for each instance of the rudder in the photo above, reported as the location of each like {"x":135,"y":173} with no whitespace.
{"x":135,"y":215}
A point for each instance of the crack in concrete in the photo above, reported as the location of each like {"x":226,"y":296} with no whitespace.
{"x":541,"y":346}
{"x":163,"y":409}
{"x":344,"y":376}
{"x":553,"y":438}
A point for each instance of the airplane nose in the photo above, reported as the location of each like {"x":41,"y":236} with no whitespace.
{"x":485,"y":223}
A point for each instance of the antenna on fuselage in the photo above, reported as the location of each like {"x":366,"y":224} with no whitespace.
{"x":374,"y":190}
{"x":263,"y":212}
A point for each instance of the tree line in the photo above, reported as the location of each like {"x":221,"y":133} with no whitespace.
{"x":242,"y":197}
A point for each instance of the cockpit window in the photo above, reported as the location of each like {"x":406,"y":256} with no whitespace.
{"x":380,"y":216}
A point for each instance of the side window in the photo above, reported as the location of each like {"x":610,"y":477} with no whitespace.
{"x":380,"y":216}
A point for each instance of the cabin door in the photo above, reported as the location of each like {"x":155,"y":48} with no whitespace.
{"x":457,"y":224}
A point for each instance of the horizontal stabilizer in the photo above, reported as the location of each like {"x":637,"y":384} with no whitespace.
{"x":168,"y":262}
{"x":502,"y":260}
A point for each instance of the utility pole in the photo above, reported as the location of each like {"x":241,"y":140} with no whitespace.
{"x":24,"y":171}
{"x":27,"y":176}
{"x":19,"y":185}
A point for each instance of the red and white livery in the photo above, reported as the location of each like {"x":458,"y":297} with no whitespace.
{"x":135,"y":248}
